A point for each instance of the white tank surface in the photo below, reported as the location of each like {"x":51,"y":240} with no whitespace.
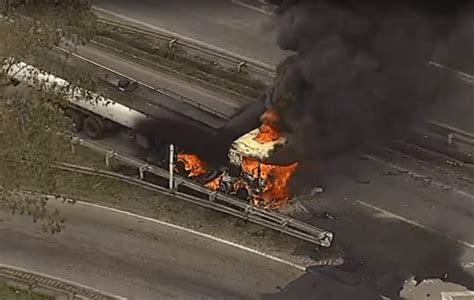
{"x":80,"y":97}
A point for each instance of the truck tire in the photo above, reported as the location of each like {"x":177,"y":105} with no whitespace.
{"x":77,"y":119}
{"x":94,"y":128}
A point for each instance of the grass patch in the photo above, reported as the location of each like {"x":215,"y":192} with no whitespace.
{"x":145,"y":202}
{"x":153,"y":204}
{"x":201,"y":69}
{"x":149,"y":203}
{"x":10,"y":293}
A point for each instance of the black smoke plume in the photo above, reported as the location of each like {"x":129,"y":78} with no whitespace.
{"x":359,"y":74}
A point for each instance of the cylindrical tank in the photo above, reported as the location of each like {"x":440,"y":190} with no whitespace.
{"x":82,"y":98}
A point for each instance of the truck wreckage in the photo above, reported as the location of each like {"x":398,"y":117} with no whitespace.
{"x":261,"y":187}
{"x":248,"y":176}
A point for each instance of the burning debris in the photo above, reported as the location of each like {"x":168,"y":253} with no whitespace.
{"x":270,"y":181}
{"x":215,"y":183}
{"x":192,"y":164}
{"x":264,"y":184}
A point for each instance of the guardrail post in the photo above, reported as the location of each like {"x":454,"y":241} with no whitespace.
{"x":74,"y":141}
{"x":172,"y":43}
{"x":31,"y":287}
{"x":450,"y":138}
{"x":177,"y":182}
{"x":108,"y":156}
{"x":248,"y":211}
{"x":171,"y":167}
{"x":71,"y":296}
{"x":213,"y":196}
{"x":241,"y":65}
{"x":142,"y":170}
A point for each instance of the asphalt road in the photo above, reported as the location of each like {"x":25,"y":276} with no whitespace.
{"x":220,"y":23}
{"x":138,"y":259}
{"x":153,"y":78}
{"x":392,"y":225}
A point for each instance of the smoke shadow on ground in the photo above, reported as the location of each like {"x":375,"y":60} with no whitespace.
{"x":380,"y":253}
{"x":189,"y":136}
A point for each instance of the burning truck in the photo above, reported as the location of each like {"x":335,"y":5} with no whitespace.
{"x":248,"y":175}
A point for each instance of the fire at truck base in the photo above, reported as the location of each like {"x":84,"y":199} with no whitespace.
{"x":248,"y":176}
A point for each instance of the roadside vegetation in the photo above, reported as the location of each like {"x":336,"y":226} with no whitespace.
{"x":157,"y":54}
{"x":34,"y":133}
{"x":140,"y":200}
{"x":11,"y":293}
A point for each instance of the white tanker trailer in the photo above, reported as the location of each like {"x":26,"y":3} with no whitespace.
{"x":151,"y":125}
{"x":90,"y":112}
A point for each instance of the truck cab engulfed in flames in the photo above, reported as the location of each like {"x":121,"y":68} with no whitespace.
{"x":248,"y":175}
{"x":268,"y":184}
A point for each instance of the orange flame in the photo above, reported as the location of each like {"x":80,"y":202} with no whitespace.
{"x":240,"y":183}
{"x":214,"y":183}
{"x":267,"y":131}
{"x":275,"y":193}
{"x":192,"y":164}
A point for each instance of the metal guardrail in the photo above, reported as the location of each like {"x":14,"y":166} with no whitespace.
{"x":454,"y":134}
{"x":41,"y":283}
{"x":461,"y":75}
{"x":167,"y":69}
{"x":160,"y":90}
{"x":213,"y":200}
{"x":451,"y":129}
{"x":239,"y":61}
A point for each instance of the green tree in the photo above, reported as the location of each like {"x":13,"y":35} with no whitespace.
{"x":33,"y":131}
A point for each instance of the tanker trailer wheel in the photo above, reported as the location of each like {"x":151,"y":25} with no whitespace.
{"x":94,"y":128}
{"x":77,"y":119}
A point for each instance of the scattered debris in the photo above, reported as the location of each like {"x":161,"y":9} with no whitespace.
{"x":394,"y":173}
{"x":433,"y":289}
{"x":299,"y":206}
{"x":454,"y":163}
{"x":328,"y":216}
{"x":316,"y":190}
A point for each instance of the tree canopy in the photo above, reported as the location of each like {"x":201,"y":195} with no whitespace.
{"x":33,"y":131}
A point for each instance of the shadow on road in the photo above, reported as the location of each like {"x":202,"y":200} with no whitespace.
{"x":380,"y":253}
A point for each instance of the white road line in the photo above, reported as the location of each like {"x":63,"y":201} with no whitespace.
{"x":453,"y":295}
{"x":395,"y":216}
{"x":63,"y":280}
{"x":174,"y":226}
{"x":252,"y":7}
{"x":418,"y":175}
{"x":201,"y":234}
